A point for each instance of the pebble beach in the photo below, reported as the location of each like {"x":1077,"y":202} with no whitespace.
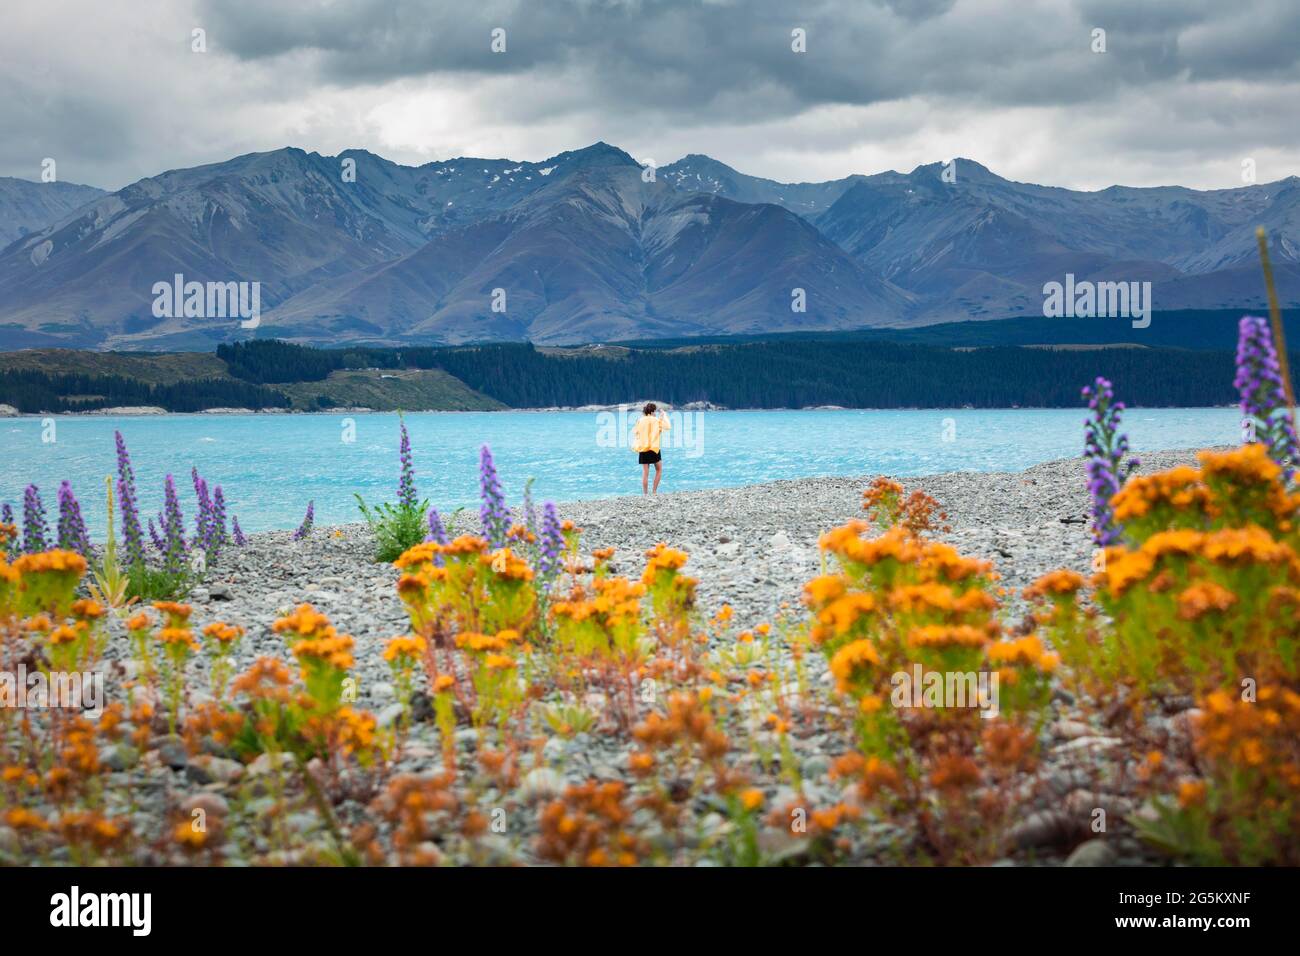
{"x":752,"y":548}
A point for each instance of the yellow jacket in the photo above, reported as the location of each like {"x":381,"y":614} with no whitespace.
{"x":646,"y":432}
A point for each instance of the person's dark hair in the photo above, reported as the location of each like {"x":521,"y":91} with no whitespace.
{"x":649,"y":408}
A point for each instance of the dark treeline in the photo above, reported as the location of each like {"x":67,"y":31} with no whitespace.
{"x":867,"y":375}
{"x":780,"y":374}
{"x":268,"y":361}
{"x":32,"y":391}
{"x":1210,"y":330}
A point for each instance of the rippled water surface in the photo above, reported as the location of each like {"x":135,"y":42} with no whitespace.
{"x":269,"y":466}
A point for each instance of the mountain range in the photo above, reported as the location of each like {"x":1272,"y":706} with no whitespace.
{"x":26,"y":206}
{"x":590,"y":246}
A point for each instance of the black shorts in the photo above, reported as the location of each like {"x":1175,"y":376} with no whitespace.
{"x":648,"y":458}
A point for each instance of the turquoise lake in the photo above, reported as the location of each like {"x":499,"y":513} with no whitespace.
{"x":270,"y":466}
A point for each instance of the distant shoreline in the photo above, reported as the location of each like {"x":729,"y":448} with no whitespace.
{"x":267,"y":376}
{"x":586,"y":409}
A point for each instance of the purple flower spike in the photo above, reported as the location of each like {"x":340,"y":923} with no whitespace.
{"x":72,"y":529}
{"x":159,"y":544}
{"x":237,"y":532}
{"x":308,"y":520}
{"x":175,"y":550}
{"x":36,"y":533}
{"x":203,"y":529}
{"x":132,"y":533}
{"x":6,"y":513}
{"x":219,"y":537}
{"x":1263,"y":394}
{"x":406,"y":496}
{"x":437,"y":533}
{"x":494,"y":516}
{"x":551,"y":542}
{"x":1105,"y":448}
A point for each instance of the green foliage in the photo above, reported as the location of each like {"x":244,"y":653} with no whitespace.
{"x":116,"y":585}
{"x":110,"y":580}
{"x":147,"y":583}
{"x":1183,"y":835}
{"x":568,"y":719}
{"x":395,"y":527}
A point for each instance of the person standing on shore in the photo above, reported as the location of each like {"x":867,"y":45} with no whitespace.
{"x":645,"y":442}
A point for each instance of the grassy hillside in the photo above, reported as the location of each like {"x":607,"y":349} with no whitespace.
{"x":183,"y":381}
{"x":384,"y":390}
{"x":152,"y":368}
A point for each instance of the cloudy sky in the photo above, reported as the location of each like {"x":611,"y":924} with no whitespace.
{"x":1184,"y":92}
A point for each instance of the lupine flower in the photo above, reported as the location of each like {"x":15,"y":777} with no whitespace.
{"x":493,"y":513}
{"x":36,"y":532}
{"x":72,"y":529}
{"x":211,"y":523}
{"x":132,"y":533}
{"x":7,"y":521}
{"x":1263,"y":394}
{"x":155,"y":537}
{"x":1105,"y":448}
{"x":219,"y":536}
{"x":551,"y":541}
{"x":437,"y":533}
{"x":237,"y":532}
{"x":406,"y":484}
{"x":175,"y":550}
{"x":308,"y":520}
{"x":203,"y":521}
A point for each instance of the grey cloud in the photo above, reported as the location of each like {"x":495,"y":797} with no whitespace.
{"x":1184,"y":87}
{"x":692,"y":53}
{"x":920,"y":9}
